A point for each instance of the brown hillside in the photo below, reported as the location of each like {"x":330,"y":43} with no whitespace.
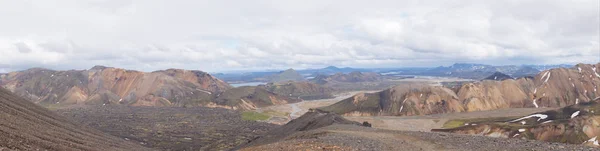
{"x":26,"y":126}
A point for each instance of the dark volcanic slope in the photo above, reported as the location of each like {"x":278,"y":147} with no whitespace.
{"x":313,"y":119}
{"x":26,"y":126}
{"x":171,"y":128}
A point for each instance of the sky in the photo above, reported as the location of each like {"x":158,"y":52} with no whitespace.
{"x":227,"y":35}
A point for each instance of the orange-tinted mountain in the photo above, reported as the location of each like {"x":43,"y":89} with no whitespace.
{"x":574,"y":124}
{"x":27,"y":126}
{"x":552,"y":88}
{"x":106,"y":85}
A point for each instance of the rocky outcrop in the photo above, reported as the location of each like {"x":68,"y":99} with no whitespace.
{"x":575,"y":124}
{"x":27,"y":126}
{"x":300,"y":90}
{"x":105,"y":85}
{"x":552,"y":88}
{"x":311,"y":120}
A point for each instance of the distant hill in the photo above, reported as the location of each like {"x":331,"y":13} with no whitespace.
{"x":350,"y":77}
{"x":498,"y":76}
{"x":303,"y":90}
{"x":27,"y":126}
{"x":287,"y":75}
{"x":249,"y":97}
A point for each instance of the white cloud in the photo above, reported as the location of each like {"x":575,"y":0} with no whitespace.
{"x":227,"y":35}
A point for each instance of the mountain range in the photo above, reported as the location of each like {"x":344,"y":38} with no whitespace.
{"x":552,"y":88}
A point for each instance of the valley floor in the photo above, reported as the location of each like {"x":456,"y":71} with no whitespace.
{"x":171,"y":128}
{"x":351,"y":137}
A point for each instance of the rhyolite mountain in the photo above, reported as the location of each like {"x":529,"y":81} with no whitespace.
{"x":106,"y":86}
{"x":27,"y":126}
{"x":552,"y":88}
{"x":574,"y":124}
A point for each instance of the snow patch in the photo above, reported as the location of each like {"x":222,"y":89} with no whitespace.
{"x":577,"y":101}
{"x":574,"y":114}
{"x":495,"y":77}
{"x":120,"y":100}
{"x":544,"y":94}
{"x":547,"y":78}
{"x":523,"y":122}
{"x":535,"y":104}
{"x":573,"y":84}
{"x":545,"y":74}
{"x":515,"y":135}
{"x":522,"y":130}
{"x":579,"y":68}
{"x":52,"y":75}
{"x":534,"y":90}
{"x":402,"y":107}
{"x":594,"y":140}
{"x":547,"y":122}
{"x":421,"y":95}
{"x":104,"y":104}
{"x":539,"y":116}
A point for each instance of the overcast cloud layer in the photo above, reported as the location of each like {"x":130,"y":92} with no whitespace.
{"x":226,"y":35}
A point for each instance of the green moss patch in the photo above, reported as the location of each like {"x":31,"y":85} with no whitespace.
{"x":254,"y":116}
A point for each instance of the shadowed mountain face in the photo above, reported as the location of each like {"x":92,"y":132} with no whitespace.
{"x":26,"y":126}
{"x":552,"y":88}
{"x":105,"y":85}
{"x":498,"y":76}
{"x":575,"y":124}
